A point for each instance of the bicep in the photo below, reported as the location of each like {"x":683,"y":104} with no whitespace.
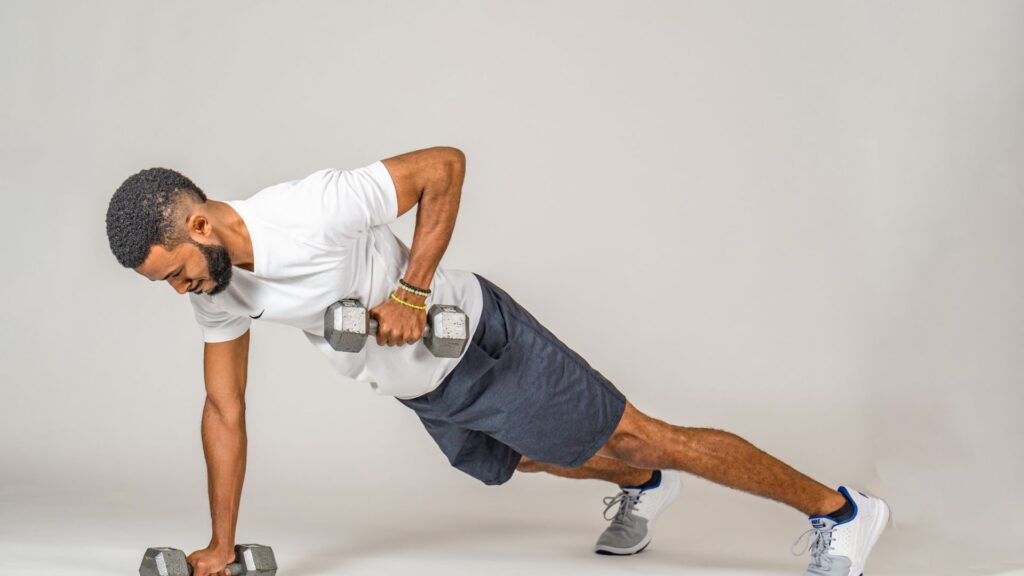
{"x":225,"y":368}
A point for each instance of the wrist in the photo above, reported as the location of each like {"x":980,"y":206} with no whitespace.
{"x":222,"y":545}
{"x":417,"y":280}
{"x":406,"y":300}
{"x":410,"y":297}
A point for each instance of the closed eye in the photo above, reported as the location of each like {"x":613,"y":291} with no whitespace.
{"x":175,"y":275}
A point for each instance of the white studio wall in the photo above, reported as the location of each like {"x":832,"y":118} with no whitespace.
{"x":810,"y":214}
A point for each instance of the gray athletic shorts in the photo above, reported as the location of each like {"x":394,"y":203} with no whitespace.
{"x":518,"y":391}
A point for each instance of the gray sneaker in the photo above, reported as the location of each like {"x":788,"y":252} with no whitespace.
{"x":630,"y":528}
{"x":842,"y":549}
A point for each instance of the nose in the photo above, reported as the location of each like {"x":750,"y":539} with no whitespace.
{"x":180,"y":285}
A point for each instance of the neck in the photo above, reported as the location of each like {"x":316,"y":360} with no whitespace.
{"x":233,"y":233}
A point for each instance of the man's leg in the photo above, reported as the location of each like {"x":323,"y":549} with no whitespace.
{"x":597,"y":468}
{"x":644,"y":442}
{"x":643,"y":496}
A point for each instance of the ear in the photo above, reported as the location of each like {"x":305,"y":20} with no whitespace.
{"x":198,"y":224}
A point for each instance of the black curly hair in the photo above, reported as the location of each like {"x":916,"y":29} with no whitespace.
{"x":148,"y":209}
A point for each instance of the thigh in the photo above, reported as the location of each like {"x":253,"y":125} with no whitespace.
{"x":539,"y":397}
{"x":475,"y":453}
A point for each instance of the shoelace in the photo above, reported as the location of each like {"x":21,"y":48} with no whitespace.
{"x":817,"y":544}
{"x":626,"y":501}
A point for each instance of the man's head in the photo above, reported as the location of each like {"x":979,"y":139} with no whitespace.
{"x":158,"y":224}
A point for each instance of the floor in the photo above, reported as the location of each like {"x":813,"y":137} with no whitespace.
{"x":468,"y":530}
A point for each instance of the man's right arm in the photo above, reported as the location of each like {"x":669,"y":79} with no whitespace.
{"x":225,"y":366}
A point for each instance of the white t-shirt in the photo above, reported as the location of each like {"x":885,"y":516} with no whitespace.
{"x":318,"y":240}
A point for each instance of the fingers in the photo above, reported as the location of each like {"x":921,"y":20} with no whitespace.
{"x":207,"y":570}
{"x":204,"y":568}
{"x":398,"y":337}
{"x":392,"y":335}
{"x":209,"y":563}
{"x":397,"y":325}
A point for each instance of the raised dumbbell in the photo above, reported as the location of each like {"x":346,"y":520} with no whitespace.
{"x":249,"y":559}
{"x":347,"y":325}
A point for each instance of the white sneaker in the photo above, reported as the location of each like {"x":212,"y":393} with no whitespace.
{"x":842,"y":548}
{"x":630,"y":529}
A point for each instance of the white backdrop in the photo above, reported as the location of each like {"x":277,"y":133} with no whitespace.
{"x":797,"y":221}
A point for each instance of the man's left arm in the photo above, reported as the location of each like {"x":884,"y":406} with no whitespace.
{"x":433,"y":179}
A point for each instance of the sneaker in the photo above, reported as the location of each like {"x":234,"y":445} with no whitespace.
{"x":842,"y":548}
{"x":630,"y":529}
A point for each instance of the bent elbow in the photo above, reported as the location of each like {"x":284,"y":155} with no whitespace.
{"x":454,"y":159}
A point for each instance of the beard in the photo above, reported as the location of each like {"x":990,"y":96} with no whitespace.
{"x":218,"y":262}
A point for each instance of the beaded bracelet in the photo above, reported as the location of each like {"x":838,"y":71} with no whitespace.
{"x":410,"y":288}
{"x":404,"y":303}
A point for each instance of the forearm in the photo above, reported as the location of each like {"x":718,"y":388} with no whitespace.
{"x":435,"y":218}
{"x":224,"y":444}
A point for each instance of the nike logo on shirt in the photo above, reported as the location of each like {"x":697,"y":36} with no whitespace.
{"x":256,"y":317}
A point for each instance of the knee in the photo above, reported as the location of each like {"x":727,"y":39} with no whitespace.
{"x":635,"y":440}
{"x":629,"y":447}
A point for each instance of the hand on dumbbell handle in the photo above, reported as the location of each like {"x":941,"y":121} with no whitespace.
{"x":209,"y":560}
{"x":234,"y":569}
{"x":347,"y":325}
{"x":251,"y":559}
{"x":372,"y":329}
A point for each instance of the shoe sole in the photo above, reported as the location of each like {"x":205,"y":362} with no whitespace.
{"x":608,"y":551}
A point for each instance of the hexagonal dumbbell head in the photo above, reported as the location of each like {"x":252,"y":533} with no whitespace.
{"x":249,"y":559}
{"x":255,"y":559}
{"x":449,"y":331}
{"x":346,"y":326}
{"x":164,"y":562}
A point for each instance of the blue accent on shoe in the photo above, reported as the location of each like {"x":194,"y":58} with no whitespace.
{"x":846,"y":494}
{"x":654,"y":482}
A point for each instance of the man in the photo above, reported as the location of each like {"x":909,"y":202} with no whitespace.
{"x":517,"y":398}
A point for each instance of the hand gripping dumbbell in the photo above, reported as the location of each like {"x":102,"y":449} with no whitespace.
{"x":347,"y":325}
{"x":249,"y":559}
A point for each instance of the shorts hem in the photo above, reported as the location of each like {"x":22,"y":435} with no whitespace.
{"x":600,"y":442}
{"x":505,"y":477}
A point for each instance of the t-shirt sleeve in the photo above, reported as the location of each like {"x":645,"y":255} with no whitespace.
{"x":216,"y":324}
{"x":353,"y":201}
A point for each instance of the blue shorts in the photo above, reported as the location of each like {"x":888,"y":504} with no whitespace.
{"x":518,"y":391}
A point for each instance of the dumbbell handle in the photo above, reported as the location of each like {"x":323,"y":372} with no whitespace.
{"x":234,"y":569}
{"x":373,"y":329}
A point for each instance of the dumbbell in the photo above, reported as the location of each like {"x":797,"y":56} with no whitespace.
{"x":347,"y":325}
{"x":249,"y":559}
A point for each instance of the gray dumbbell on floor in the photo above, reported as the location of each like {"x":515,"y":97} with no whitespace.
{"x":347,"y":325}
{"x":249,"y":559}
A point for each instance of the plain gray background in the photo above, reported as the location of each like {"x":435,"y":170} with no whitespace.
{"x":797,"y":221}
